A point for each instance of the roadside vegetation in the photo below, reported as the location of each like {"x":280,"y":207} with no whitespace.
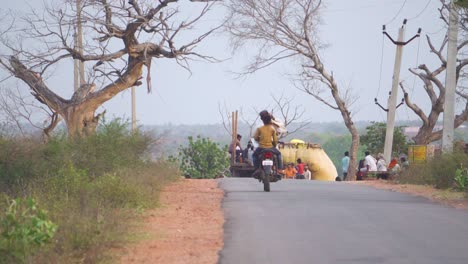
{"x":68,"y":200}
{"x":202,"y":158}
{"x":445,"y":171}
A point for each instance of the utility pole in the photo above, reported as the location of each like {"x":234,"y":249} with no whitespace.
{"x":78,"y":69}
{"x":394,"y":93}
{"x":450,"y":81}
{"x":133,"y":109}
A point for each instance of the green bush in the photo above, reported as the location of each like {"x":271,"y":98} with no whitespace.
{"x":461,"y":179}
{"x":203,"y":158}
{"x":24,"y":228}
{"x":439,"y":172}
{"x":90,"y":186}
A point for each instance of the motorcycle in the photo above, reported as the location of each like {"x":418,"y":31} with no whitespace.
{"x":268,"y":171}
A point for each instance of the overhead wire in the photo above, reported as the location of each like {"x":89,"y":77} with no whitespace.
{"x":422,"y":11}
{"x":381,"y":65}
{"x":437,"y":31}
{"x":398,"y":13}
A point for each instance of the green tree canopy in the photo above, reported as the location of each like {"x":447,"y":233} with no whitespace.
{"x":335,"y":148}
{"x":374,"y":139}
{"x":203,"y":158}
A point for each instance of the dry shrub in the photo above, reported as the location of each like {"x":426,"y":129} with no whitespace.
{"x":91,"y":187}
{"x":438,"y":172}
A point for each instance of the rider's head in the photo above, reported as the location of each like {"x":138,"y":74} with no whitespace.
{"x":265,"y":117}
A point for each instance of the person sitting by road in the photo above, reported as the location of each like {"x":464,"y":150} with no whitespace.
{"x":404,"y":163}
{"x":290,"y":171}
{"x":267,"y":139}
{"x":307,"y":173}
{"x":381,"y":167}
{"x":360,"y":174}
{"x":300,"y":169}
{"x":370,"y":164}
{"x":248,"y":153}
{"x":394,"y":167}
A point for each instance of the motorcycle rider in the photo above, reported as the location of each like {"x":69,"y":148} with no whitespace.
{"x":267,"y":139}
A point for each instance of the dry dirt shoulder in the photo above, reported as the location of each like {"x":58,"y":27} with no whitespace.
{"x":445,"y":197}
{"x":187,"y":228}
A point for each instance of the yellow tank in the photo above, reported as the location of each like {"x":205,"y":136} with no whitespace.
{"x":320,"y":165}
{"x":288,"y":154}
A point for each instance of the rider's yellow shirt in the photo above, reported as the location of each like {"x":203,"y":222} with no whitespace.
{"x":266,"y":136}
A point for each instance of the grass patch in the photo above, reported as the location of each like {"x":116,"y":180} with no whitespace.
{"x":439,"y":172}
{"x":443,"y":173}
{"x":91,"y":188}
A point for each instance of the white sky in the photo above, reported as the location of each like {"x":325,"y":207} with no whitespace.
{"x":353,"y":29}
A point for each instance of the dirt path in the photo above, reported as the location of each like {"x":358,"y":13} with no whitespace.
{"x":187,"y":228}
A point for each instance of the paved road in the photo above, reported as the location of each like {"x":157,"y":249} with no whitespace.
{"x":333,"y":222}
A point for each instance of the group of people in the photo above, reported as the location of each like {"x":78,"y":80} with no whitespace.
{"x":299,"y":171}
{"x":374,"y":167}
{"x":242,"y":155}
{"x":267,"y":139}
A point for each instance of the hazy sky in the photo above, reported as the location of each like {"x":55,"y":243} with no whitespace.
{"x":353,"y":30}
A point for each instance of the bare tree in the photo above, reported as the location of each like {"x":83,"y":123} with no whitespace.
{"x":250,"y":120}
{"x":120,"y":39}
{"x":434,"y":86}
{"x":287,"y":29}
{"x":290,"y":114}
{"x":18,"y":109}
{"x":226,"y":118}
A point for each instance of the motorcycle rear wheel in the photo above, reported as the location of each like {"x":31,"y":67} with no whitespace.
{"x":266,"y":181}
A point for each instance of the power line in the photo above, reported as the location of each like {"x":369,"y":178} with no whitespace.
{"x":420,"y":13}
{"x":437,"y":31}
{"x":381,"y":65}
{"x":398,"y":13}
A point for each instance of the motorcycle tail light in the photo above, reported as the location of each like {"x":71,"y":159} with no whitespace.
{"x":268,"y":155}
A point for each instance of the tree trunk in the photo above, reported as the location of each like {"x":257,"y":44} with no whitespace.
{"x":81,"y":120}
{"x":353,"y":159}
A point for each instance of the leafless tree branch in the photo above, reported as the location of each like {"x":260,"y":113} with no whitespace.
{"x":120,"y":39}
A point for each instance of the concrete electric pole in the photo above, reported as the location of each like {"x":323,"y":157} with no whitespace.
{"x":134,"y":127}
{"x":78,"y":69}
{"x":450,"y":82}
{"x":394,"y":93}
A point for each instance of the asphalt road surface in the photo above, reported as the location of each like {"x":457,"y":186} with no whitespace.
{"x":334,"y":222}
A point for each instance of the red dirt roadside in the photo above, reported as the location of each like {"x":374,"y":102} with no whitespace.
{"x":187,"y":228}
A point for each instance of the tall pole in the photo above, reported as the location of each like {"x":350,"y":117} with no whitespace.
{"x":78,"y":69}
{"x":450,"y":82}
{"x":393,"y":96}
{"x":392,"y":101}
{"x":133,"y":109}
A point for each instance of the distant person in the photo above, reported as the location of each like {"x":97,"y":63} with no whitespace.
{"x":381,"y":167}
{"x":394,"y":168}
{"x":290,"y":171}
{"x":300,"y":169}
{"x":370,"y":163}
{"x":361,"y":172}
{"x":307,"y":173}
{"x":345,"y":165}
{"x":404,"y":163}
{"x":236,"y":146}
{"x":248,"y":153}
